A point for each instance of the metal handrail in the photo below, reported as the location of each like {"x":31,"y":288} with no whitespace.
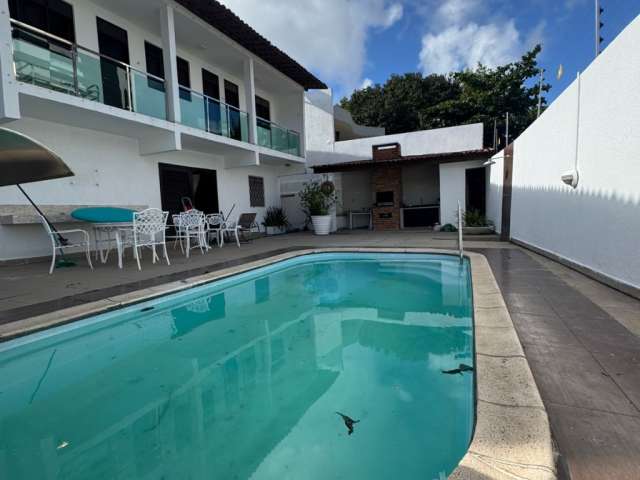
{"x":75,"y":46}
{"x":288,"y":130}
{"x":207,"y":97}
{"x":460,"y":248}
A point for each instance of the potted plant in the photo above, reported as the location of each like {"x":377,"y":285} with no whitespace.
{"x":275,"y":221}
{"x":475,"y":223}
{"x":317,"y":199}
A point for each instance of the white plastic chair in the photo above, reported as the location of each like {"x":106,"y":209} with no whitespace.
{"x":56,"y":245}
{"x":215,"y":224}
{"x":149,"y":230}
{"x":193,"y":227}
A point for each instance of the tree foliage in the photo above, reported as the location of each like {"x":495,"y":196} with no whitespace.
{"x":411,"y":102}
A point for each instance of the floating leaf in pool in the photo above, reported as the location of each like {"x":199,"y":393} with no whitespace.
{"x":461,"y":368}
{"x":348,"y":422}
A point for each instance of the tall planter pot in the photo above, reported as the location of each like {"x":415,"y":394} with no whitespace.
{"x":321,"y":224}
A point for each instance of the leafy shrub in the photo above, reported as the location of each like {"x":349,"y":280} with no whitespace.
{"x":447,"y":227}
{"x":275,"y":217}
{"x":473,"y":218}
{"x":317,"y":198}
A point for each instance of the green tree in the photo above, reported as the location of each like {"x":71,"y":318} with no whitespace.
{"x":412,"y":101}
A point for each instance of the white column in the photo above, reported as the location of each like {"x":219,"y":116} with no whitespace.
{"x":250,"y":98}
{"x":169,"y":53}
{"x":9,"y":105}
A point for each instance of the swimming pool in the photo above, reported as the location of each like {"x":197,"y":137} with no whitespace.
{"x":242,"y":378}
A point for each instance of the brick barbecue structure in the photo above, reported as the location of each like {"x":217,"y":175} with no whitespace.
{"x":386,"y":185}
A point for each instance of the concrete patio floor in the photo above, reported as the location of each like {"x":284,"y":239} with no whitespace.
{"x":581,"y":338}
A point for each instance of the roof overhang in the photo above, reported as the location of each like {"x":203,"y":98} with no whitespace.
{"x":227,"y":22}
{"x":445,"y":157}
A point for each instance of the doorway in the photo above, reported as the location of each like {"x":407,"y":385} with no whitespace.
{"x":198,"y":184}
{"x":113,"y":42}
{"x":476,"y":189}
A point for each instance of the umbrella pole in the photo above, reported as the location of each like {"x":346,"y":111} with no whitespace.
{"x":61,"y":239}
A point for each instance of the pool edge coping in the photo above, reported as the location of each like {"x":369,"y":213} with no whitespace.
{"x":497,"y":449}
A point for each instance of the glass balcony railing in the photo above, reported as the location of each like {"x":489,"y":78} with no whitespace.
{"x":211,"y":115}
{"x":278,"y":138}
{"x":48,"y":61}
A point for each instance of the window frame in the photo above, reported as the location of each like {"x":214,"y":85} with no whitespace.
{"x":254,"y":202}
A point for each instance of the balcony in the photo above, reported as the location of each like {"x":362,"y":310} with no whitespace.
{"x":213,"y":116}
{"x":275,"y":137}
{"x":51,"y":62}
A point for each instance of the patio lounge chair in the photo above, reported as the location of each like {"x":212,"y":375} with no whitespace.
{"x":84,"y":242}
{"x":246,"y":222}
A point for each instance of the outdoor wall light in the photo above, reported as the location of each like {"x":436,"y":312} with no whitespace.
{"x":570,"y":178}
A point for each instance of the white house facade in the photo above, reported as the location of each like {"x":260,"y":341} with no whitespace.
{"x":147,"y":102}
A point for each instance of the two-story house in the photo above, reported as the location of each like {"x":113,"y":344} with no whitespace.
{"x":148,"y":102}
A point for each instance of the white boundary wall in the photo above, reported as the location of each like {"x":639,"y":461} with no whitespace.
{"x":596,"y":225}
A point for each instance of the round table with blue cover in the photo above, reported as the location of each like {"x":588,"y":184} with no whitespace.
{"x":106,"y":221}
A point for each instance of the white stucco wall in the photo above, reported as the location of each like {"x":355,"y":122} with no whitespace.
{"x":597,"y":225}
{"x":319,"y":124}
{"x":109,"y":170}
{"x":439,"y":140}
{"x":494,"y":190}
{"x":453,"y":188}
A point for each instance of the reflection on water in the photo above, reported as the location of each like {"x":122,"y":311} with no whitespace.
{"x":243,"y":380}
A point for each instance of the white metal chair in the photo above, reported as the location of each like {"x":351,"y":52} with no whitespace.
{"x":215,"y":224}
{"x":56,"y":244}
{"x":149,"y":230}
{"x":177,"y":225}
{"x":193,"y":227}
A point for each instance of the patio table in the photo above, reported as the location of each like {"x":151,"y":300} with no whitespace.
{"x":106,"y":222}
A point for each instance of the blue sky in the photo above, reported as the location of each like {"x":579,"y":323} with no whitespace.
{"x":350,"y":43}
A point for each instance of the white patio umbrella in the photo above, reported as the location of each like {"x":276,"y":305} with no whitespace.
{"x":24,"y":160}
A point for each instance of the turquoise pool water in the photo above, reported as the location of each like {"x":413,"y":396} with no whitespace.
{"x":242,"y":378}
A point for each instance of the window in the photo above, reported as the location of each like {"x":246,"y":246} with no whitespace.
{"x":183,"y":72}
{"x":52,"y":16}
{"x":210,"y":84}
{"x":155,"y":65}
{"x":256,"y":191}
{"x":231,"y":94}
{"x":153,"y":57}
{"x":263,"y":109}
{"x":184,"y":80}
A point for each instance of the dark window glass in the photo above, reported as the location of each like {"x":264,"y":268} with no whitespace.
{"x":184,"y":79}
{"x":263,"y":109}
{"x":155,"y":65}
{"x":231,"y":94}
{"x":256,"y":191}
{"x":52,"y":16}
{"x":155,"y":62}
{"x":210,"y":84}
{"x":114,"y":43}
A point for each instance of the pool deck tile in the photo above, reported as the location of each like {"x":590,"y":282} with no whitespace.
{"x":584,"y":357}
